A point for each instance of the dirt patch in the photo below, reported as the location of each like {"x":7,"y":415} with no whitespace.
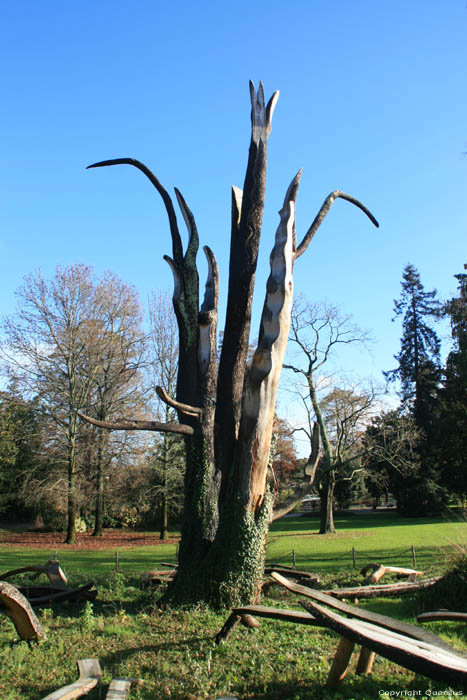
{"x":111,"y":539}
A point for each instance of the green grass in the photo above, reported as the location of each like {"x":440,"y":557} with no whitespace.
{"x":173,"y":650}
{"x":384,"y":537}
{"x":94,"y":563}
{"x":174,"y":653}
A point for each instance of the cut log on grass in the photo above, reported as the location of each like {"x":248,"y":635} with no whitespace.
{"x":442,"y":615}
{"x":119,"y":689}
{"x":358,"y":613}
{"x":15,"y":605}
{"x":427,"y":659}
{"x":90,"y":675}
{"x":297,"y":616}
{"x":375,"y":572}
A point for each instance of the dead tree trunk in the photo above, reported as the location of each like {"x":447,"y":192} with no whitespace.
{"x":226,"y":412}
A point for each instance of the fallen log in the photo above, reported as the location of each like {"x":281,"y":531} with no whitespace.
{"x":442,"y":615}
{"x":156,"y":578}
{"x":383,"y":590}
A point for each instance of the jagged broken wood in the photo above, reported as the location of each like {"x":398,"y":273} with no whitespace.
{"x":51,"y":569}
{"x":17,"y":608}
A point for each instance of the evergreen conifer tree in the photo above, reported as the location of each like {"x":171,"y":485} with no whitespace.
{"x":419,"y":374}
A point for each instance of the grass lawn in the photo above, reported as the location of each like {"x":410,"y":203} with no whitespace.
{"x":173,"y":651}
{"x":383,"y":537}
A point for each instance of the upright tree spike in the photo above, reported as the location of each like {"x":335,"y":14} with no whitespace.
{"x":212,"y":282}
{"x":263,"y":377}
{"x":261,"y":115}
{"x":325,"y":207}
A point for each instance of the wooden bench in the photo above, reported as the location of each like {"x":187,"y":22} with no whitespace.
{"x":410,"y":646}
{"x":358,"y":613}
{"x":14,"y":604}
{"x":426,"y":659}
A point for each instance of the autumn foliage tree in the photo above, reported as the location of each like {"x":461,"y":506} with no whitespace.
{"x":226,"y":408}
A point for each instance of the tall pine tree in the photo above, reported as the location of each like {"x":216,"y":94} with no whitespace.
{"x":419,"y":374}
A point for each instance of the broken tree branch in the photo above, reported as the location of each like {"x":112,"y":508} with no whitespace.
{"x":325,"y":207}
{"x":140,"y":425}
{"x":182,"y":407}
{"x":176,"y":240}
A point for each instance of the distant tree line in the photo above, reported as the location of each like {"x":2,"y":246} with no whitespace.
{"x":78,"y":344}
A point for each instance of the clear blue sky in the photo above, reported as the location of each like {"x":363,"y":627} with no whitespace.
{"x":373,"y":101}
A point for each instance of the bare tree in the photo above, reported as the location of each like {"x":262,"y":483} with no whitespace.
{"x":56,"y":348}
{"x":168,"y":455}
{"x":114,"y":361}
{"x":333,"y":419}
{"x":225,"y":409}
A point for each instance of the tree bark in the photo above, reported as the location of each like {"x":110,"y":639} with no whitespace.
{"x":99,"y":512}
{"x":72,"y":506}
{"x":326,"y":494}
